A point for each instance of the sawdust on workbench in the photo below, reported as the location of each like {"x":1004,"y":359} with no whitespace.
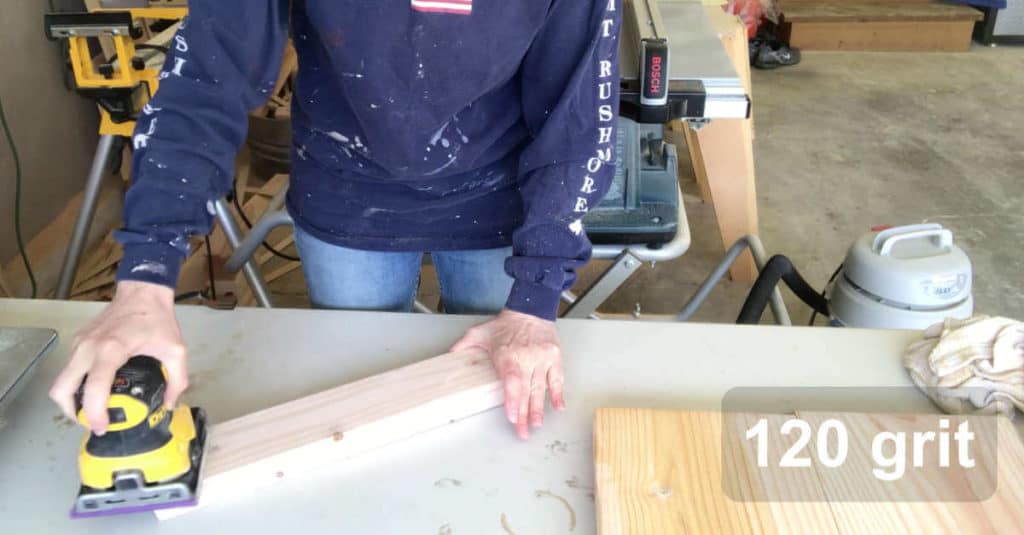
{"x":572,"y":512}
{"x":505,"y":526}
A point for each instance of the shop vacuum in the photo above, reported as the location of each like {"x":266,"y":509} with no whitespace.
{"x":906,"y":277}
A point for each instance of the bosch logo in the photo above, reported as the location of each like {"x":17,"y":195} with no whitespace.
{"x":656,"y":75}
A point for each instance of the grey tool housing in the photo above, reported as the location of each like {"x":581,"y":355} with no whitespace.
{"x":905,"y":277}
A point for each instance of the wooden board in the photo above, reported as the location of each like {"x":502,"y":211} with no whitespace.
{"x":299,"y":436}
{"x":722,"y":154}
{"x":762,"y":485}
{"x":3,"y":285}
{"x":892,"y":36}
{"x":659,"y":471}
{"x":878,"y":25}
{"x":870,"y":11}
{"x":932,"y":511}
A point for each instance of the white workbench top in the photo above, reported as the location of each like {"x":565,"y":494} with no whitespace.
{"x":458,"y":479}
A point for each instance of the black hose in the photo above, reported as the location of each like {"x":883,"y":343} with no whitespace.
{"x":835,"y":273}
{"x":778,"y":267}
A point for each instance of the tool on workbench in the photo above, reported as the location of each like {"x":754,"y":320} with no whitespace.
{"x":907,"y":277}
{"x":150,"y":457}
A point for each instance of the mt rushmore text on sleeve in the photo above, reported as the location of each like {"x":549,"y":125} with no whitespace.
{"x":569,"y":164}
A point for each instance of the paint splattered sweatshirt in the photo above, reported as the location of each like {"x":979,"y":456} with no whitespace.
{"x":418,"y":125}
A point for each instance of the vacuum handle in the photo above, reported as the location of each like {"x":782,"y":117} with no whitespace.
{"x":945,"y":237}
{"x":893,"y":231}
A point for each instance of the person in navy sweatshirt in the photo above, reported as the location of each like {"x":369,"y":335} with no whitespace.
{"x":478,"y":131}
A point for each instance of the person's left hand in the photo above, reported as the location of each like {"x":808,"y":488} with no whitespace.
{"x":528,"y":358}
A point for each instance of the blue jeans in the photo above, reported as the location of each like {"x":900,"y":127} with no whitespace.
{"x":472,"y":282}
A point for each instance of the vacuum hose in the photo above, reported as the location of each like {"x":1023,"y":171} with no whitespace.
{"x":778,"y":267}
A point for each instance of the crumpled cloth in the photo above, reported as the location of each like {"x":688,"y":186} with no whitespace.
{"x":971,"y":366}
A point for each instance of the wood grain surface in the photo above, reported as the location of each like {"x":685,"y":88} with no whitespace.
{"x":870,"y":11}
{"x":296,"y":437}
{"x":661,"y":471}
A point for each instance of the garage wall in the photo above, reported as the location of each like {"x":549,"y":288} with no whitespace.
{"x":54,"y":128}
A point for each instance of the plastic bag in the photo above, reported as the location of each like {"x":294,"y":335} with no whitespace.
{"x":752,"y":12}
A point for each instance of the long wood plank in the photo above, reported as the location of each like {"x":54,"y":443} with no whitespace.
{"x":294,"y":438}
{"x":722,"y":154}
{"x":934,"y":36}
{"x":871,"y":11}
{"x":3,"y":285}
{"x":659,"y":471}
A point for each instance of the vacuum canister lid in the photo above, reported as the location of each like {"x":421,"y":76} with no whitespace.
{"x":917,"y":266}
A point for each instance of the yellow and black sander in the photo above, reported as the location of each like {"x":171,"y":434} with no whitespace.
{"x":150,"y":457}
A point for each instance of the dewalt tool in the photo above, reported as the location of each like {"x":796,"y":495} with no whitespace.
{"x":120,"y":81}
{"x":150,"y":457}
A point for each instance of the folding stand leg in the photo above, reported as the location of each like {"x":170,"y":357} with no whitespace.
{"x":85,"y":214}
{"x":609,"y":281}
{"x":252,"y":274}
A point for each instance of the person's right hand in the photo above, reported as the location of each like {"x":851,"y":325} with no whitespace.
{"x":139,"y":321}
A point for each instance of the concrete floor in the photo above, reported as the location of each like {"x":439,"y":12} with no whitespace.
{"x":845,"y":141}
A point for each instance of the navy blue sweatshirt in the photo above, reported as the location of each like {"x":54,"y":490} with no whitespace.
{"x":419,"y":125}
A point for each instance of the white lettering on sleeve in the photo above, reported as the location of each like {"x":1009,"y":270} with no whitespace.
{"x":588,"y":185}
{"x":576,"y":227}
{"x":607,"y":26}
{"x":178,"y":64}
{"x":139,"y":141}
{"x":605,"y":134}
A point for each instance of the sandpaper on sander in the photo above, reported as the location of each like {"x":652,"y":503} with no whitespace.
{"x":150,"y":457}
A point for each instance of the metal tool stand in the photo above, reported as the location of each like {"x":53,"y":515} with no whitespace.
{"x":81,"y":231}
{"x":753,"y":243}
{"x":628,"y":259}
{"x":88,"y":210}
{"x":114,"y":87}
{"x":249,"y":268}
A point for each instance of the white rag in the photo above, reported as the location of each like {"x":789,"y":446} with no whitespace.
{"x":971,"y":366}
